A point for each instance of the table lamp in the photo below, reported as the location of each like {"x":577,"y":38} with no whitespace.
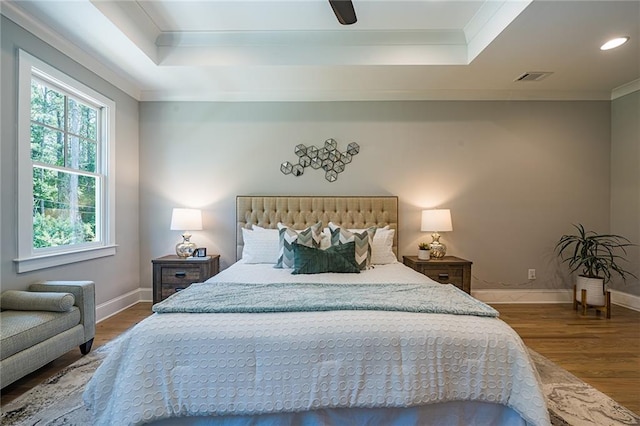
{"x":434,"y":221}
{"x":186,"y":220}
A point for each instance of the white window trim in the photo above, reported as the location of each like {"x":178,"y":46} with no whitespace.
{"x":27,"y":259}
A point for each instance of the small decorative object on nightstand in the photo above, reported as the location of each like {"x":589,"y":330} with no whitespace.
{"x":437,"y":220}
{"x":423,"y":251}
{"x":172,"y":273}
{"x":447,"y":270}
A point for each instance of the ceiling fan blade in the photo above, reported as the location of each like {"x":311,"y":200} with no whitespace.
{"x":344,"y":11}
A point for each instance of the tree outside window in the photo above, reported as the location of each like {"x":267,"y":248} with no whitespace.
{"x":64,"y":145}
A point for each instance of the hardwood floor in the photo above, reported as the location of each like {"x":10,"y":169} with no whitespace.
{"x":604,"y":353}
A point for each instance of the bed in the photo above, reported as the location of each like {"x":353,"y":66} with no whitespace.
{"x":265,"y":345}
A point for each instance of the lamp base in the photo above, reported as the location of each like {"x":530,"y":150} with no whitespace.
{"x":185,"y":248}
{"x":437,"y":250}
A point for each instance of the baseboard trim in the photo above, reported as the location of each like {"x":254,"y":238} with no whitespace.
{"x":120,"y":303}
{"x":630,"y":301}
{"x":496,"y":296}
{"x":146,"y":295}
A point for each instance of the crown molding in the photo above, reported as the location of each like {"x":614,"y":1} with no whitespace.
{"x":625,"y":89}
{"x":180,"y":95}
{"x":14,"y":13}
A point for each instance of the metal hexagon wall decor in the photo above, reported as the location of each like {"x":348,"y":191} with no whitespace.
{"x":327,"y":158}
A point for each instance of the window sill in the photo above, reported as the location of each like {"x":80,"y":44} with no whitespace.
{"x":50,"y":260}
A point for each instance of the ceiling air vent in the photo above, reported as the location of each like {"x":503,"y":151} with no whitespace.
{"x":533,"y":76}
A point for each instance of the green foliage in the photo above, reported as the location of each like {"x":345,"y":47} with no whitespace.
{"x":423,"y":246}
{"x":596,"y":255}
{"x":52,"y":231}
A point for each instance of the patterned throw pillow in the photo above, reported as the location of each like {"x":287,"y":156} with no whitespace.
{"x":381,"y":245}
{"x":362,"y":239}
{"x":340,"y":258}
{"x":309,"y":237}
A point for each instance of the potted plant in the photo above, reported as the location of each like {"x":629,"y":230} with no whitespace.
{"x":423,"y":251}
{"x":597,"y":256}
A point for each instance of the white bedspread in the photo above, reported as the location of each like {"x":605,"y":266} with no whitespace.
{"x":217,"y":364}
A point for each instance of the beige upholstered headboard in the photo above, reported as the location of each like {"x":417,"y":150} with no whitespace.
{"x":300,"y":212}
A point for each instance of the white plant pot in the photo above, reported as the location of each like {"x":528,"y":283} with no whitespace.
{"x":595,"y":290}
{"x":423,"y":255}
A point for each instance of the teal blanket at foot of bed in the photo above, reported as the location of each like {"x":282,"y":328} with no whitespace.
{"x":219,"y":297}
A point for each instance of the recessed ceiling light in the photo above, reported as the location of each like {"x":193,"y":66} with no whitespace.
{"x":613,"y":43}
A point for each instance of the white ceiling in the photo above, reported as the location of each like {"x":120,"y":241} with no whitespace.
{"x":271,"y":50}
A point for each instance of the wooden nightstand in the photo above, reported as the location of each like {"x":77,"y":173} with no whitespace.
{"x":172,"y":273}
{"x":448,"y":270}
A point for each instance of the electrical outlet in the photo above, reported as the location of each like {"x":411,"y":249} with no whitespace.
{"x":532,"y":274}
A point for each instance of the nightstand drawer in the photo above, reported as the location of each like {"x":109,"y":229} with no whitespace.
{"x":445,"y":275}
{"x":169,"y":289}
{"x":181,"y":275}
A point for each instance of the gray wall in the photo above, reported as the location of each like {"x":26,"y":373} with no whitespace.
{"x":515,"y":175}
{"x":625,"y":182}
{"x":115,"y":275}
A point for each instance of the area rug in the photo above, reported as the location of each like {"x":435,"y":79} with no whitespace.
{"x":58,"y":401}
{"x":573,"y":402}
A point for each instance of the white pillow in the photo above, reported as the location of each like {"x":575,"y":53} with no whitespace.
{"x":382,"y":247}
{"x":260,"y":245}
{"x":325,"y":242}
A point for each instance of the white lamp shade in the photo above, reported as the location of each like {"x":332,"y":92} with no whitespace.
{"x":437,"y":220}
{"x":186,"y":220}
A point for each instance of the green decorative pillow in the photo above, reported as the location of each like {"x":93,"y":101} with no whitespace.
{"x":363,"y":241}
{"x":308,"y":260}
{"x":310,"y":237}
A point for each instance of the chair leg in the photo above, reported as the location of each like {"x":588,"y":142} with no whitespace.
{"x":584,"y":301}
{"x":86,"y":347}
{"x":575,"y":301}
{"x":608,"y":303}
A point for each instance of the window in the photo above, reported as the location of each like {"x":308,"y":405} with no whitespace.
{"x":65,"y":169}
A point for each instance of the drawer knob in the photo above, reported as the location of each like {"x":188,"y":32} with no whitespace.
{"x":181,"y":274}
{"x":443,"y":276}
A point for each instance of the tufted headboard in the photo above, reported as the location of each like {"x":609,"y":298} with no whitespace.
{"x":300,"y":212}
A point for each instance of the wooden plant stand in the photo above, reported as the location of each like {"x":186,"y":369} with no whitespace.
{"x":583,"y":301}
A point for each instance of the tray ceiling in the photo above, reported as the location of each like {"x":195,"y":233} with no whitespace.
{"x":267,"y":50}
